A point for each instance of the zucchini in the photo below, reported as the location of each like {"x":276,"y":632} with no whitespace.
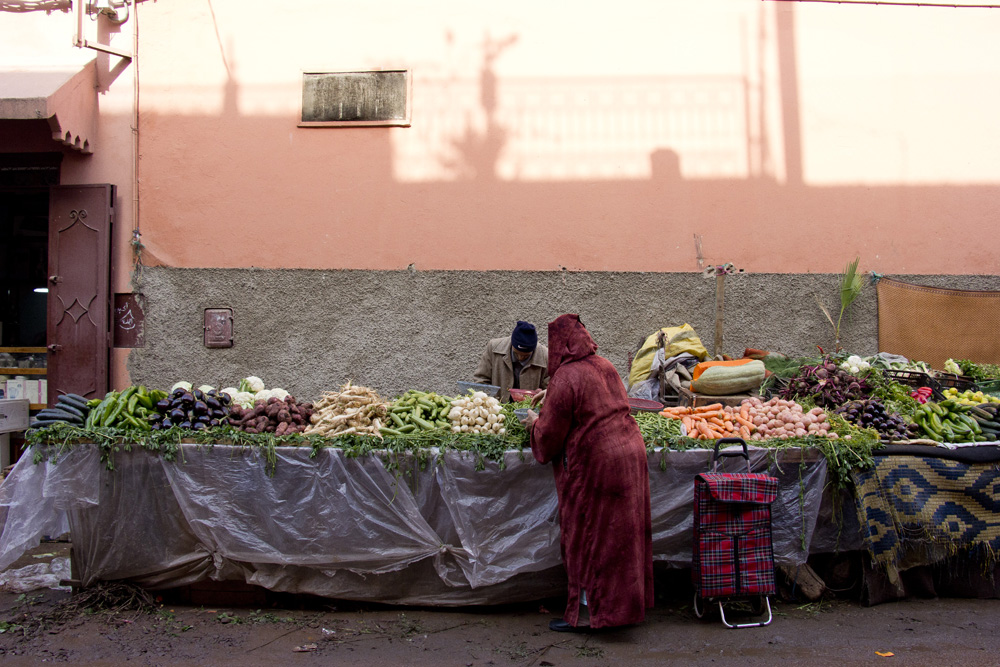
{"x":426,"y":425}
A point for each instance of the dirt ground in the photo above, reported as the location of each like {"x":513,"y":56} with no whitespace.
{"x":48,"y":625}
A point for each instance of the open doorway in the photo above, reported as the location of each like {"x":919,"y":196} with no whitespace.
{"x":24,"y":240}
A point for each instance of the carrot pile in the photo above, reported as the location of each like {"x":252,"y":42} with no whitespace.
{"x":711,"y":422}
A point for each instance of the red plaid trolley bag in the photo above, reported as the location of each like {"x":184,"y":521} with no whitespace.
{"x":733,"y":557}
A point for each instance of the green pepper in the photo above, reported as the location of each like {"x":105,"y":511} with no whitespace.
{"x":132,"y":402}
{"x":115,"y":411}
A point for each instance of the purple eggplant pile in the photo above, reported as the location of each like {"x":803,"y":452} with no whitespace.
{"x":191,"y":409}
{"x":871,"y":413}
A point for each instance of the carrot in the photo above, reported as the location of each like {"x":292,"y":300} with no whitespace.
{"x":715,"y":434}
{"x":745,"y":422}
{"x":709,"y":408}
{"x":744,"y":432}
{"x":704,"y":430}
{"x":716,"y":421}
{"x":688,"y":424}
{"x":745,"y":410}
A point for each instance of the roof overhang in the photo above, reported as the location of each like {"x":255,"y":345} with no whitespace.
{"x":66,"y":99}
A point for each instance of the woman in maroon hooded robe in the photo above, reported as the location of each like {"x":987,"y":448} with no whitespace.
{"x":602,"y":482}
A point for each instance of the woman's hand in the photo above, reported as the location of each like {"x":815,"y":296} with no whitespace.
{"x":529,"y":419}
{"x":537,"y":399}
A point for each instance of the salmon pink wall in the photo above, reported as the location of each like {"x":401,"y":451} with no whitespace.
{"x":659,"y":138}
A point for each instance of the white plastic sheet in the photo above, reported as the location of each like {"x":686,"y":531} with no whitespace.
{"x":353,"y":528}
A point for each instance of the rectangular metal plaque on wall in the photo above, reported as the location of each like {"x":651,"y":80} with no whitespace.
{"x":218,"y":327}
{"x":332,"y":99}
{"x":129,"y":320}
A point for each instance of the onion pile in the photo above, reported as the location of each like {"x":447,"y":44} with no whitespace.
{"x":477,"y":413}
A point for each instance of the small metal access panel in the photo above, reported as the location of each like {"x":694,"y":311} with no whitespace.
{"x":218,"y":327}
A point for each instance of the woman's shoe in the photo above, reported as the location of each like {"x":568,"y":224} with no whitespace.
{"x":559,"y":625}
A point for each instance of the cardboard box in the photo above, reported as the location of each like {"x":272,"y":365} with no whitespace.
{"x":15,"y":389}
{"x":13,"y":415}
{"x":31,"y":391}
{"x":43,"y":391}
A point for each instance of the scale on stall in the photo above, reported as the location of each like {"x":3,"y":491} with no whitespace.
{"x":488,"y":389}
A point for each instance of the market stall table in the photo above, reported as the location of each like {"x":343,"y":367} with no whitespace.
{"x":387,"y":528}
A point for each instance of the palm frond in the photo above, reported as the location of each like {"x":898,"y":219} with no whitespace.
{"x":851,"y":283}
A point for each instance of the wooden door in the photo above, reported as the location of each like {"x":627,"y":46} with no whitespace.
{"x":79,"y":305}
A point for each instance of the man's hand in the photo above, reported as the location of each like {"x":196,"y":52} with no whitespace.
{"x":529,"y":419}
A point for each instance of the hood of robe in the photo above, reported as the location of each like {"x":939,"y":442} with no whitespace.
{"x":569,"y":340}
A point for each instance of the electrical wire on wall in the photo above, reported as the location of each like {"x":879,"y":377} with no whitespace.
{"x":949,"y":5}
{"x":136,"y":241}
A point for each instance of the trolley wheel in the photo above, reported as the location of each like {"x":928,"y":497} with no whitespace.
{"x":699,"y":606}
{"x":757,"y":605}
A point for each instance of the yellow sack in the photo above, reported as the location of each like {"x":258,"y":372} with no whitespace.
{"x":674,"y":340}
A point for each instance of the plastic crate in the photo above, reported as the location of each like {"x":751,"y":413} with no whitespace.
{"x":911,"y":378}
{"x":952,"y":381}
{"x":991,"y":387}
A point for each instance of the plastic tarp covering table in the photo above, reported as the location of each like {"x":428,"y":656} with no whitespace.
{"x":362,"y":528}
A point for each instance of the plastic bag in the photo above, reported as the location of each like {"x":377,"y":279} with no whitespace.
{"x":673,"y":341}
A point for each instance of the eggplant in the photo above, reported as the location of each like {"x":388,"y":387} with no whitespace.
{"x":218,"y":414}
{"x":163,"y":405}
{"x":225,"y":399}
{"x":178,"y":415}
{"x":198,"y":395}
{"x":166,"y":423}
{"x":200,"y":408}
{"x":185,"y":424}
{"x":156,"y":427}
{"x":213,"y":423}
{"x":177,"y":393}
{"x":198,"y":426}
{"x":188,"y":397}
{"x":213,"y":402}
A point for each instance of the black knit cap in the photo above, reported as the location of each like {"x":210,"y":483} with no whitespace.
{"x":524,"y":338}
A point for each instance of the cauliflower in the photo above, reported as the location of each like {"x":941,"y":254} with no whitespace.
{"x":279,"y":393}
{"x":262,"y":395}
{"x":186,"y":386}
{"x":205,"y":388}
{"x":252,"y":383}
{"x":855,"y":364}
{"x":244,"y":399}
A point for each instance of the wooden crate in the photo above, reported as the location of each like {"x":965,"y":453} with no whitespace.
{"x":694,"y":400}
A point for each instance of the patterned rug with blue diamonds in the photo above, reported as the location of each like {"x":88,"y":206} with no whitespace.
{"x":939,"y":501}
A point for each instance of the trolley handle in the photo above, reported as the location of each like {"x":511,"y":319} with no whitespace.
{"x":717,"y":454}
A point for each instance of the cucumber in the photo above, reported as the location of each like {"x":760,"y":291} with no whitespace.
{"x":978,"y":412}
{"x":73,"y":399}
{"x":42,"y":423}
{"x":72,"y":409}
{"x":56,"y":413}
